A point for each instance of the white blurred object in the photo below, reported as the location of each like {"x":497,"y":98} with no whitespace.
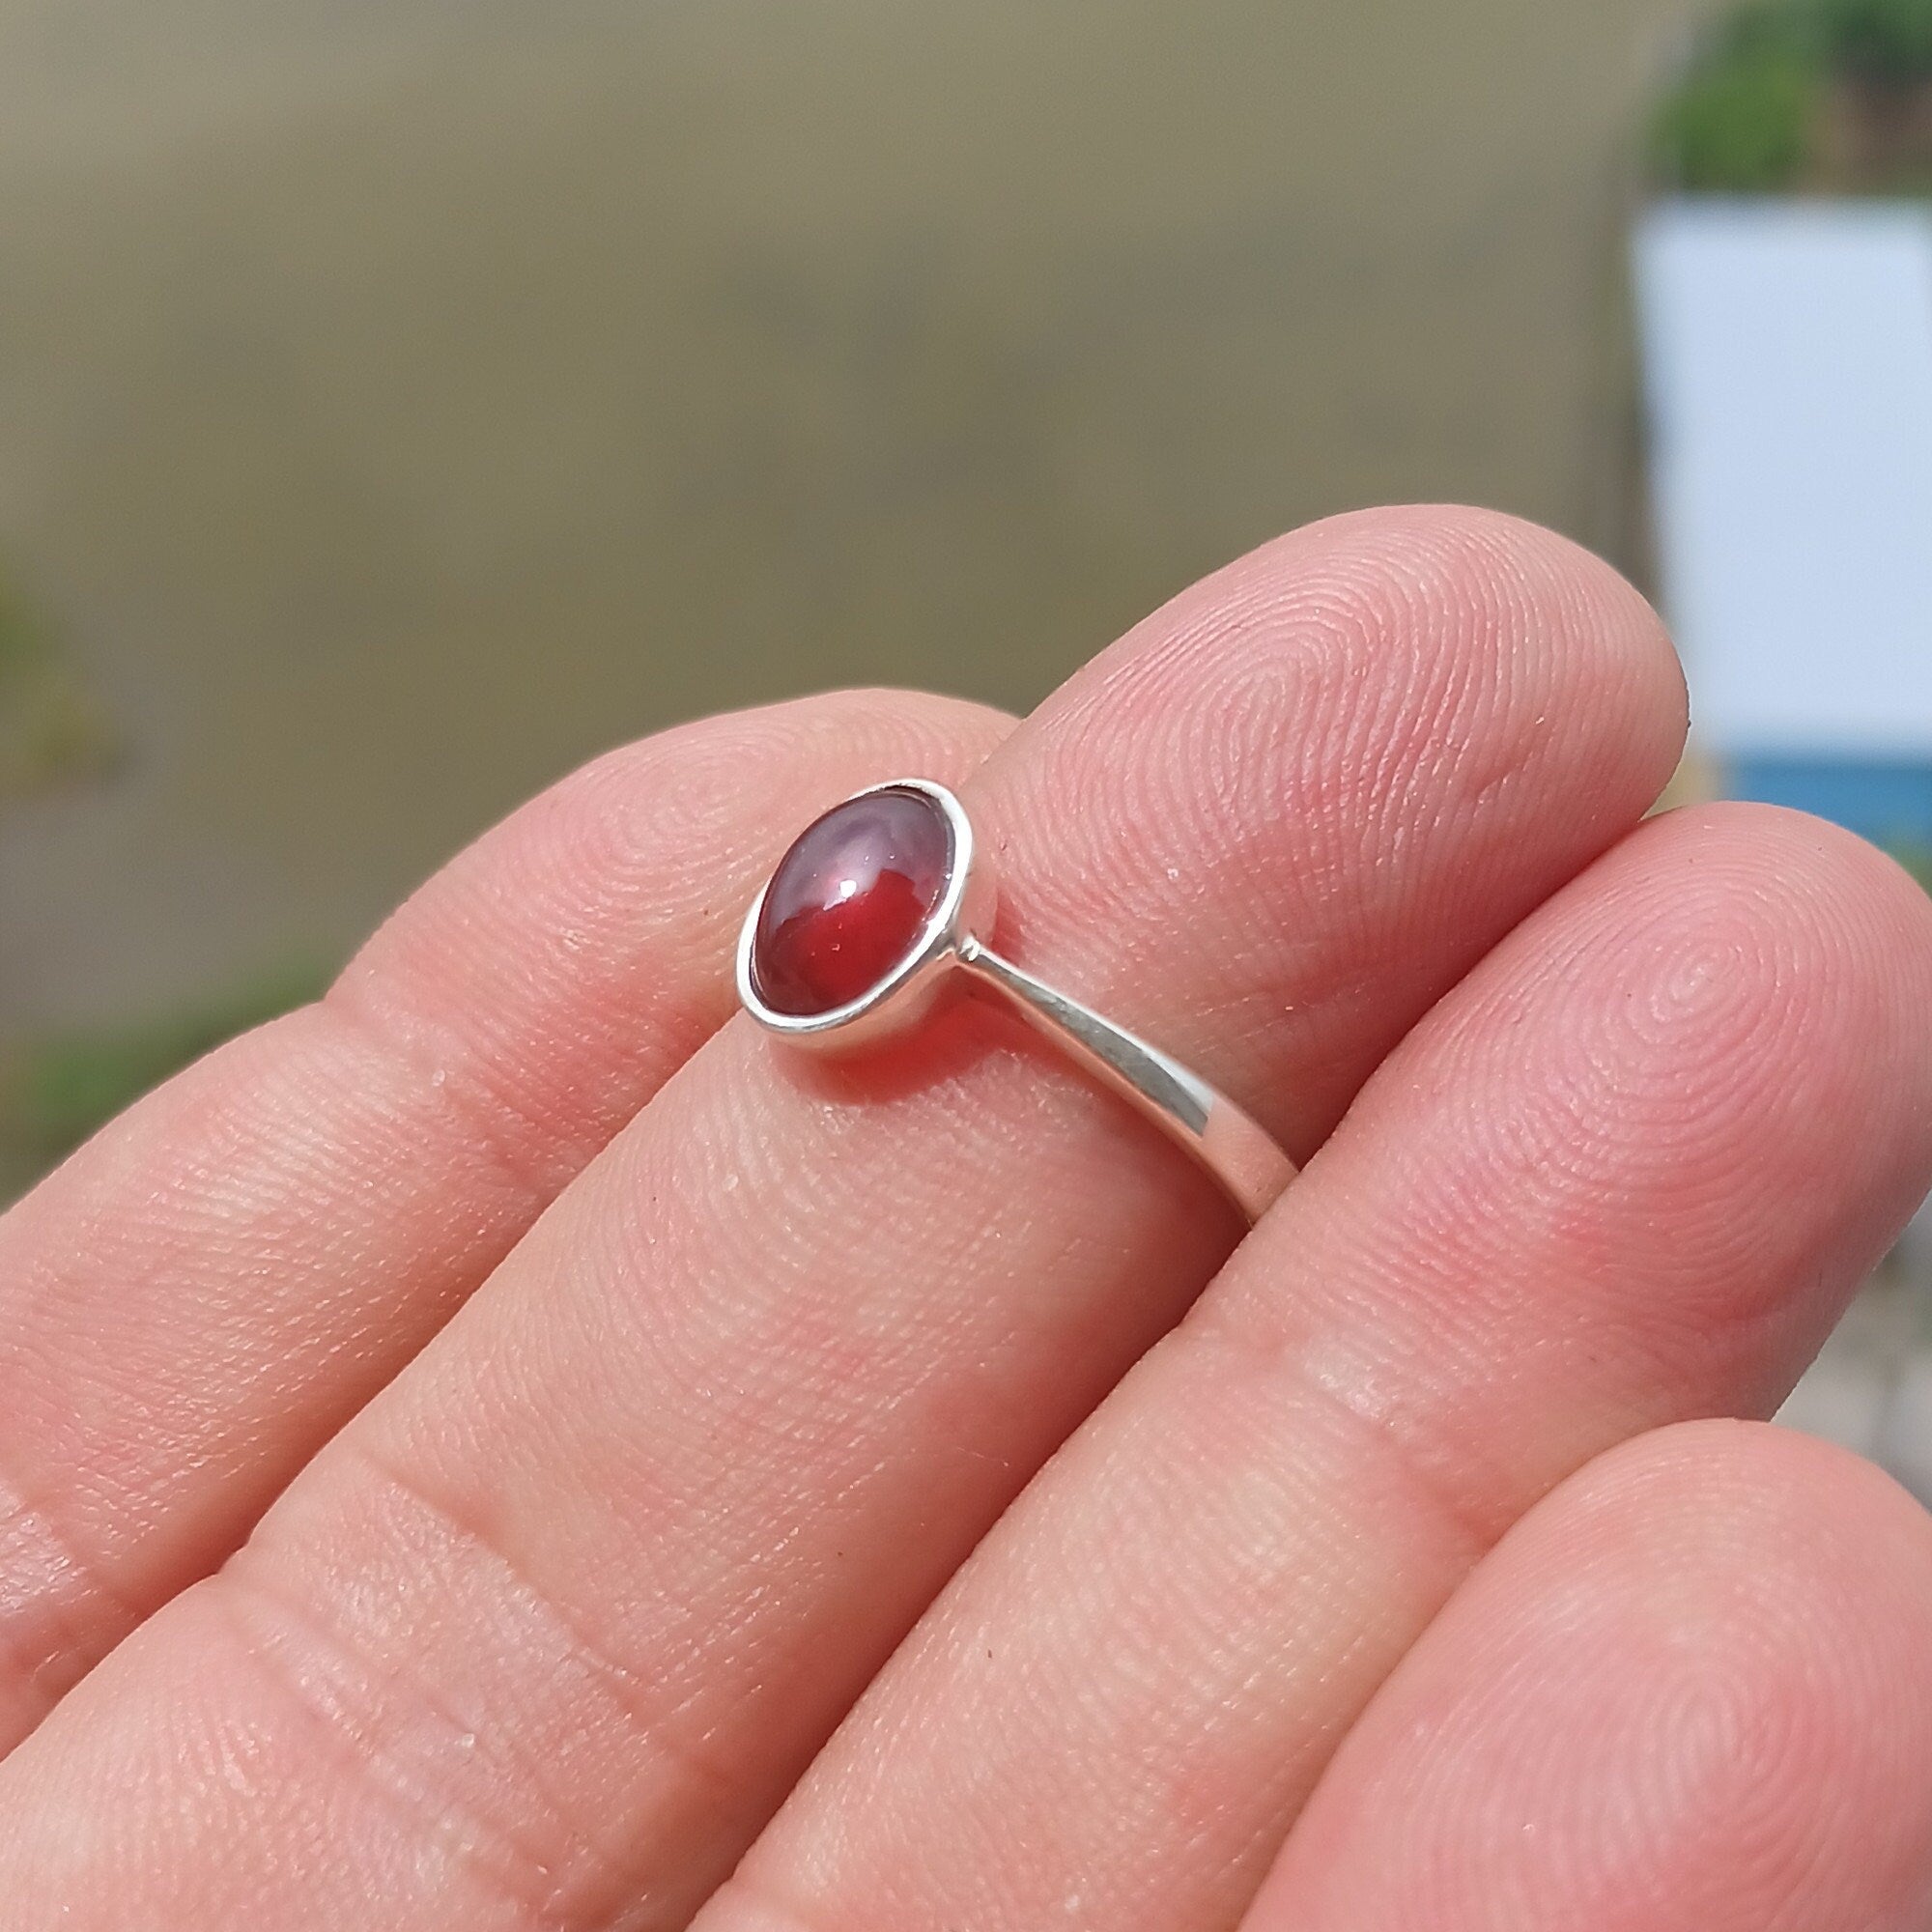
{"x":1845,"y":1396}
{"x":1905,"y":1439}
{"x":1870,"y":1388}
{"x":1787,"y":353}
{"x":1913,"y":1255}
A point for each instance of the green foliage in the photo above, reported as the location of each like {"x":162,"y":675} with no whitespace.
{"x":1915,"y":859}
{"x":1744,"y":116}
{"x":1885,"y":41}
{"x":1795,"y":28}
{"x":55,"y":1091}
{"x":50,"y":729}
{"x":1741,"y":126}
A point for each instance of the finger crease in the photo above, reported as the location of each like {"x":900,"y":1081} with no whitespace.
{"x":1271,"y":1358}
{"x":476,"y":1119}
{"x":54,"y":1587}
{"x":559,"y":1873}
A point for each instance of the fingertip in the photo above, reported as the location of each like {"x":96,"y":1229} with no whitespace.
{"x":1861,"y":888}
{"x":1409,"y":727}
{"x":1694,"y":1686}
{"x":1476,"y":565}
{"x":1695,"y":1525}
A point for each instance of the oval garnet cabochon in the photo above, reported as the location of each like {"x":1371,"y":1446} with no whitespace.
{"x":851,"y":901}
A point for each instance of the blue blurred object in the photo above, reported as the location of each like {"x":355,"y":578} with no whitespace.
{"x":1886,"y":800}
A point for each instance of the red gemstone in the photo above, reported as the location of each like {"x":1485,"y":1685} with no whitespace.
{"x":850,"y":900}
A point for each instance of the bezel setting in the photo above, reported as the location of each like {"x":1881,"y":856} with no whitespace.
{"x":902,"y":997}
{"x":1235,"y":1149}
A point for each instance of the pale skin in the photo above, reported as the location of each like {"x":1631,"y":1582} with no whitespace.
{"x":515,"y":1447}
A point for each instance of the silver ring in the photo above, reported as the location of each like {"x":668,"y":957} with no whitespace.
{"x":877,"y":901}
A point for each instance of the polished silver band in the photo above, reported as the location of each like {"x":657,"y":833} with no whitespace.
{"x":1228,"y":1142}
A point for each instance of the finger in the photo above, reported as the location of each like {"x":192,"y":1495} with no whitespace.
{"x":1694,"y":1688}
{"x":564,"y":1612}
{"x":198,"y":1299}
{"x":1593,"y":1192}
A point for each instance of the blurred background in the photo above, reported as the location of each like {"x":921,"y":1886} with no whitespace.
{"x":401,"y":402}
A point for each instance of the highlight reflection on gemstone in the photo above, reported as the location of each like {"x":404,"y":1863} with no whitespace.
{"x":849,"y":901}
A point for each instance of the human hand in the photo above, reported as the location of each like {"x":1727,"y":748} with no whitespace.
{"x":622,"y":1387}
